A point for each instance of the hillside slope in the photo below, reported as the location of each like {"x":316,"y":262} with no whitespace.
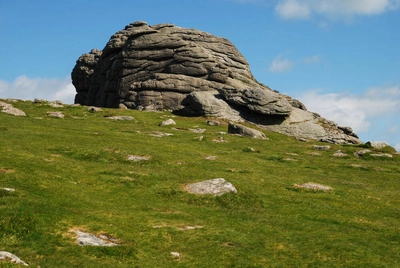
{"x":74,"y":173}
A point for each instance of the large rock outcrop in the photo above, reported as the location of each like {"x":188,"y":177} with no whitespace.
{"x":165,"y":67}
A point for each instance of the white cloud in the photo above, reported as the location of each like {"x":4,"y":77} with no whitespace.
{"x":313,"y":59}
{"x":27,"y":88}
{"x":354,"y":110}
{"x":293,"y":9}
{"x":304,"y":9}
{"x":280,"y":65}
{"x":373,"y":114}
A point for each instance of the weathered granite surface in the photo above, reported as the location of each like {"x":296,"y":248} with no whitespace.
{"x":165,"y":67}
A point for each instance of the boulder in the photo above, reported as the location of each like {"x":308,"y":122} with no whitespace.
{"x":377,"y":144}
{"x":165,"y":67}
{"x":245,"y":131}
{"x":10,"y":109}
{"x":362,"y":152}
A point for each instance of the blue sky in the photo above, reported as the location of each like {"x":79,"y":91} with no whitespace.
{"x":340,"y":57}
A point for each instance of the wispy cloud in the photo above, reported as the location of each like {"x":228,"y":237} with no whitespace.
{"x":27,"y":88}
{"x":280,"y":65}
{"x":305,"y":9}
{"x":312,"y":60}
{"x":374,"y":112}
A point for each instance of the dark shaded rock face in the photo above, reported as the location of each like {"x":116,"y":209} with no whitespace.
{"x":164,"y":67}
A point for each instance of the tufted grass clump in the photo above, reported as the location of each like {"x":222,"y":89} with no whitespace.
{"x":76,"y":173}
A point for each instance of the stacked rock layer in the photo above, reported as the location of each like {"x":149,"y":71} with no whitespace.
{"x":165,"y":67}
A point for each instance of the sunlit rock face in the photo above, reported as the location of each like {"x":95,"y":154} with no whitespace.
{"x":165,"y":67}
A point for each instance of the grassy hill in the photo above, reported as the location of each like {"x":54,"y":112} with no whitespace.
{"x":74,"y":174}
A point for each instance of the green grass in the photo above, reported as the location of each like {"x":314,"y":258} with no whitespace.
{"x":73,"y":173}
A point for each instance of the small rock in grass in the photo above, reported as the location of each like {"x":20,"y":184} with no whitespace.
{"x":313,"y":186}
{"x":160,"y":134}
{"x":8,"y":189}
{"x":197,"y":130}
{"x":55,"y":114}
{"x":122,"y":118}
{"x":211,"y":157}
{"x":184,"y":228}
{"x":220,"y":139}
{"x":322,"y":147}
{"x":137,"y":158}
{"x":382,"y":155}
{"x":168,"y":122}
{"x":4,"y":255}
{"x":217,"y":186}
{"x":175,"y":254}
{"x":87,"y":239}
{"x":362,"y":152}
{"x":213,"y":123}
{"x":339,"y":153}
{"x":93,"y":109}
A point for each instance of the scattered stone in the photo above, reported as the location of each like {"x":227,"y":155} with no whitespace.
{"x":339,"y":153}
{"x":217,"y":186}
{"x":294,"y":154}
{"x":245,"y":131}
{"x":9,"y":109}
{"x":211,"y":157}
{"x":222,"y":133}
{"x":357,"y":165}
{"x":168,"y":122}
{"x":201,"y":138}
{"x":249,"y":149}
{"x":137,"y":158}
{"x":4,"y":255}
{"x":313,"y":186}
{"x":55,"y":114}
{"x":39,"y":101}
{"x":315,"y":153}
{"x":220,"y":139}
{"x":8,"y":189}
{"x":362,"y":152}
{"x":322,"y":147}
{"x":290,"y":159}
{"x":213,"y":123}
{"x":184,"y":228}
{"x":377,"y":144}
{"x":197,"y":130}
{"x":121,"y":118}
{"x":57,"y":104}
{"x":301,"y":139}
{"x":176,"y":254}
{"x":123,"y":106}
{"x":13,"y":100}
{"x":87,"y":239}
{"x":93,"y":109}
{"x":160,"y":134}
{"x":382,"y":155}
